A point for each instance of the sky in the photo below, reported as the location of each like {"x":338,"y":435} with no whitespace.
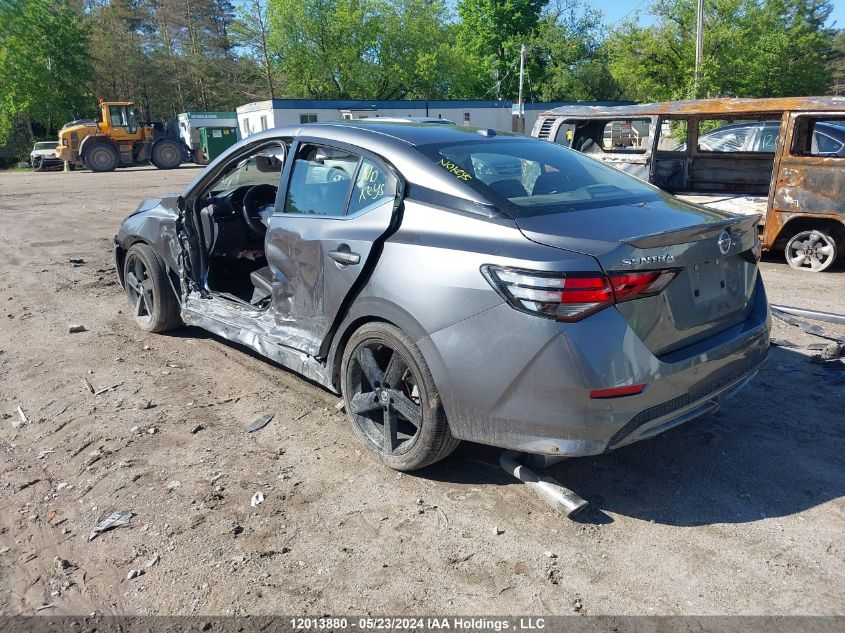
{"x":616,"y":10}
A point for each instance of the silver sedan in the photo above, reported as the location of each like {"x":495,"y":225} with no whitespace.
{"x":458,"y":284}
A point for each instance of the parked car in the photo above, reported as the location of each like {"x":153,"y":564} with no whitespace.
{"x":492,"y":168}
{"x":43,"y":156}
{"x":762,"y":136}
{"x":571,"y":312}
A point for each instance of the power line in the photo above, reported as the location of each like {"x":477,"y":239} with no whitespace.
{"x":502,"y":80}
{"x":637,"y":6}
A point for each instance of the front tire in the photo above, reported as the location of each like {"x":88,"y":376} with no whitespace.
{"x":813,"y":251}
{"x":391,"y":399}
{"x":166,"y":154}
{"x":101,"y":158}
{"x":155,"y":307}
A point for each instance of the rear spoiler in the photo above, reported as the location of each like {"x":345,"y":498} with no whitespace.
{"x":737,"y":227}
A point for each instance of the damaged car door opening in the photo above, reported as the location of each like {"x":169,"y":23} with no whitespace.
{"x":454,"y":286}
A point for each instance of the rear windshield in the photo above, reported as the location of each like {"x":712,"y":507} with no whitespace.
{"x":528,"y":177}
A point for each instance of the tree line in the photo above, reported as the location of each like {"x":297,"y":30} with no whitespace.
{"x":171,"y":56}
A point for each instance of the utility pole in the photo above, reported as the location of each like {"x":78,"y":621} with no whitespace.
{"x":699,"y":46}
{"x":521,"y":78}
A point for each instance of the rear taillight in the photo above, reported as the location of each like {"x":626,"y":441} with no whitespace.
{"x":572,"y":296}
{"x":646,"y":283}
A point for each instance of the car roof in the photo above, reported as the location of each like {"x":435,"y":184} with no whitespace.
{"x":410,"y":133}
{"x":407,"y":119}
{"x":382,"y":138}
{"x":396,"y":142}
{"x":832,"y":129}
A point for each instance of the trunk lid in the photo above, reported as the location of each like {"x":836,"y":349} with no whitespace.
{"x":713,"y":252}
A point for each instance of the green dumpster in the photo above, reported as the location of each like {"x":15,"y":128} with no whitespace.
{"x":216,"y":140}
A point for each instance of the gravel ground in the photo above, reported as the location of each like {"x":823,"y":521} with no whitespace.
{"x":737,"y":513}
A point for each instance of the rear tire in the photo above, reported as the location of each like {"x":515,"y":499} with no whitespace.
{"x":813,"y":251}
{"x":101,"y":158}
{"x":391,"y":399}
{"x":155,"y":307}
{"x":166,"y":154}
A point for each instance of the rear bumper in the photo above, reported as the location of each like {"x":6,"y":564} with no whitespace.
{"x":512,"y":380}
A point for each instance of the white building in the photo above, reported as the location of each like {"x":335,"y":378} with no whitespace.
{"x":498,"y":115}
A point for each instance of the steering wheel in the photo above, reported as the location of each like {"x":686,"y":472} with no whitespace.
{"x":337,"y":174}
{"x":255,"y":198}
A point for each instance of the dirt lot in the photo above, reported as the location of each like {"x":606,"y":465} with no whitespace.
{"x":737,"y":513}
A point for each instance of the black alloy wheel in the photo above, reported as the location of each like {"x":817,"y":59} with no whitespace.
{"x":391,"y":399}
{"x":152,"y":301}
{"x":386,"y":398}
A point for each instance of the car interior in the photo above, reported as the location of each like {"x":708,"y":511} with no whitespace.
{"x":736,"y":156}
{"x":723,"y":162}
{"x":529,"y":180}
{"x":232,"y":222}
{"x":234,"y":211}
{"x":732,"y":157}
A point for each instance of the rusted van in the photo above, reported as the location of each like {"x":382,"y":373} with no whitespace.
{"x":781,"y":158}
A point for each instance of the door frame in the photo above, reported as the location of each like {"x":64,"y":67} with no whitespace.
{"x":187,"y":207}
{"x":367,"y":266}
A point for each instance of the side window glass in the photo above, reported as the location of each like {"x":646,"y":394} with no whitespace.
{"x":373,"y":187}
{"x":768,"y":139}
{"x":731,"y":140}
{"x":826,"y":144}
{"x":132,"y":124}
{"x":731,"y":135}
{"x":819,"y":137}
{"x":116,"y":113}
{"x":564,"y":134}
{"x":321,"y":181}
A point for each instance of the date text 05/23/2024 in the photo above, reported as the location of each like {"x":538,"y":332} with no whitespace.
{"x":428,"y":623}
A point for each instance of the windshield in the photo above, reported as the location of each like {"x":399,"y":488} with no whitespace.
{"x":263,"y":168}
{"x":47,"y":145}
{"x":529,"y":177}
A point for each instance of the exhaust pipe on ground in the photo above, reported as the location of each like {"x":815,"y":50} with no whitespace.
{"x":550,"y":490}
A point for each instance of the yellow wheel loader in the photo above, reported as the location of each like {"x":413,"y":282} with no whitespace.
{"x":119,"y":139}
